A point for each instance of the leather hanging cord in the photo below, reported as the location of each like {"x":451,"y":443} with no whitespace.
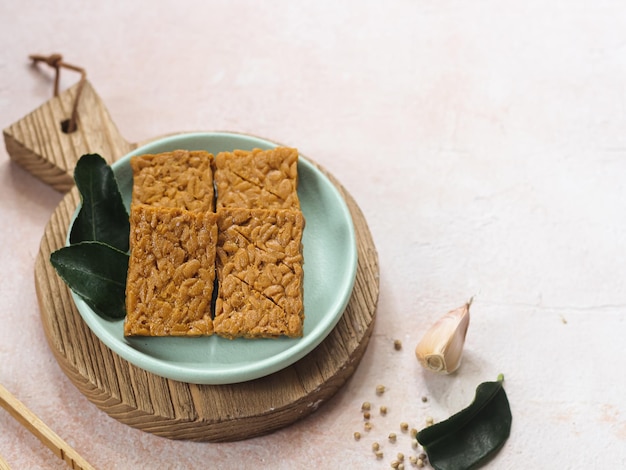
{"x":56,"y":62}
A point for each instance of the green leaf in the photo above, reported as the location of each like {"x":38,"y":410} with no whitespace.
{"x":102,"y":216}
{"x":97,"y":273}
{"x":471,"y":436}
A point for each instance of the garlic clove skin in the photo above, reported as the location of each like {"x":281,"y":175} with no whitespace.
{"x":441,"y":348}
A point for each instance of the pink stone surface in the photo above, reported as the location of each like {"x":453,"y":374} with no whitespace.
{"x":486,"y":145}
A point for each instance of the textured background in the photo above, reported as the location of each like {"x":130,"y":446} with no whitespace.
{"x":485,"y":143}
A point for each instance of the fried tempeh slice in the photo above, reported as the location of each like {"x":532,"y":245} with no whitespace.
{"x":181,"y":178}
{"x":171,"y":272}
{"x":260,"y":276}
{"x":263,"y":179}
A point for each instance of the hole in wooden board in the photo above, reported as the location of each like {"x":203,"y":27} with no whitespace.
{"x":65,"y":126}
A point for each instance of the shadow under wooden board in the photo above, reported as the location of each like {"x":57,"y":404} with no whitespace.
{"x":146,"y":401}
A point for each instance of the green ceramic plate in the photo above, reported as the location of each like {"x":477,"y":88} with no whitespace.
{"x":329,"y":271}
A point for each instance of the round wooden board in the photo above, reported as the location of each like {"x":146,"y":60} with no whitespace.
{"x":204,"y":412}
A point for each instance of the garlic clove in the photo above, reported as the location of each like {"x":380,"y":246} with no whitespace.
{"x":441,"y":348}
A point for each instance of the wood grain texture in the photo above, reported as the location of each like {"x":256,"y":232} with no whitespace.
{"x":215,"y":413}
{"x":37,"y":142}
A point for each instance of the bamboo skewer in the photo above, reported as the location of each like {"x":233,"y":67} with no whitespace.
{"x":3,"y":464}
{"x":37,"y":427}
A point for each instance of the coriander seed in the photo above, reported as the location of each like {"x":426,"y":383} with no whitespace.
{"x":404,"y":427}
{"x":392,"y":437}
{"x":367,"y":415}
{"x":357,"y":435}
{"x":397,"y":344}
{"x":366,"y":406}
{"x":430,"y":421}
{"x":375,"y":446}
{"x":383,"y":410}
{"x":379,"y":454}
{"x":380,"y":389}
{"x":367,"y":426}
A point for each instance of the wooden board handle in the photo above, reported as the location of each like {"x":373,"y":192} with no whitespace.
{"x":37,"y":427}
{"x":38,"y":142}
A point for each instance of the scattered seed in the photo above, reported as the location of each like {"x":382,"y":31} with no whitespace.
{"x":401,"y":466}
{"x":430,"y":421}
{"x":420,"y":463}
{"x":366,"y":406}
{"x":375,"y":446}
{"x":424,"y":399}
{"x":412,"y":459}
{"x":367,"y":426}
{"x":357,"y":435}
{"x":367,"y":415}
{"x":423,"y":456}
{"x":414,"y":444}
{"x":397,"y":344}
{"x":383,"y":410}
{"x":380,"y":389}
{"x":404,"y":427}
{"x":395,"y":464}
{"x":392,"y":437}
{"x":379,"y":454}
{"x":400,"y":456}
